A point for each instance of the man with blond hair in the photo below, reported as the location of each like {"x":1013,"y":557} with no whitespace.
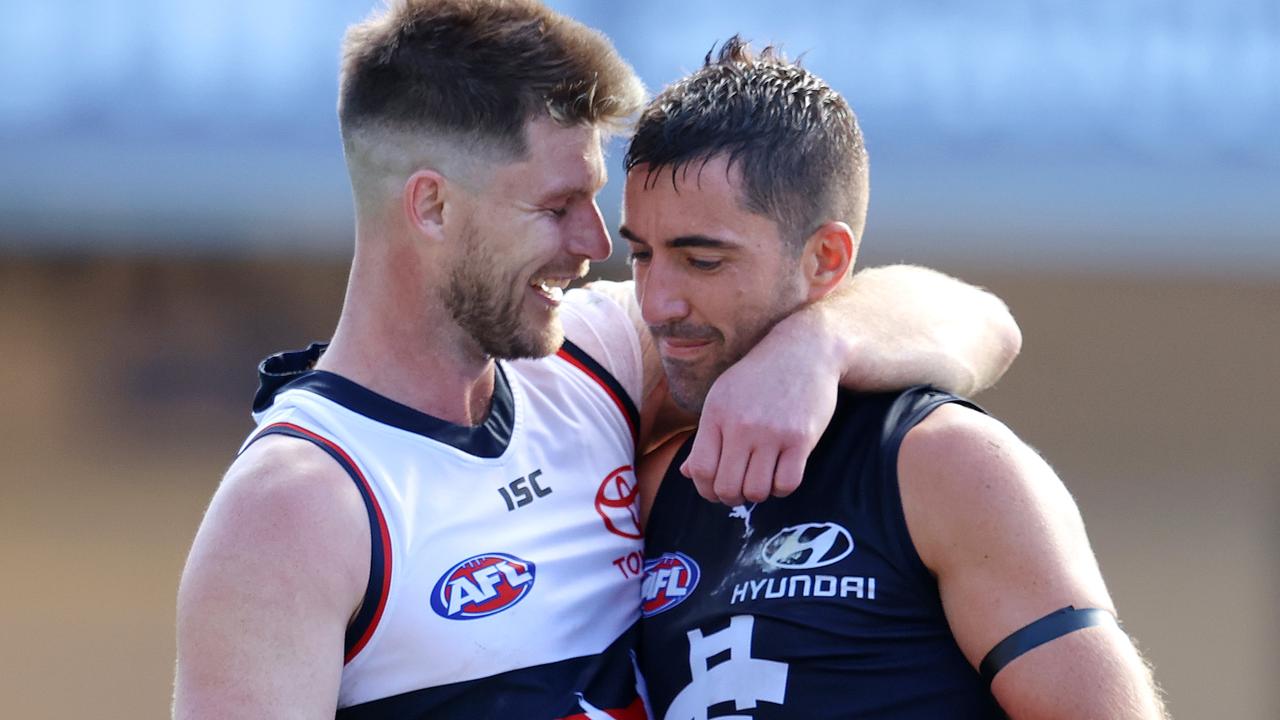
{"x":435,"y":515}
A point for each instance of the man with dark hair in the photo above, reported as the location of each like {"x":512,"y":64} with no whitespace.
{"x":435,"y":515}
{"x":931,"y":565}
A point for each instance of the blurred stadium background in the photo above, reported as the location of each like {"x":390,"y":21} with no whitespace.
{"x":173,"y":206}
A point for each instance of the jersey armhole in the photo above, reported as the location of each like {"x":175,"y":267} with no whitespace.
{"x":361,"y":628}
{"x":907,"y":411}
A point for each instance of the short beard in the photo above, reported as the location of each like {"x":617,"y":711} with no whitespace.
{"x":688,"y":384}
{"x":689,"y":387}
{"x":687,"y":393}
{"x":489,"y":310}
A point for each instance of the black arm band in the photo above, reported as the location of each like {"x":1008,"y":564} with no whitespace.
{"x":1050,"y":627}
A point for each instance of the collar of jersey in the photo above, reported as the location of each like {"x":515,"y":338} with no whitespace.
{"x":285,"y":371}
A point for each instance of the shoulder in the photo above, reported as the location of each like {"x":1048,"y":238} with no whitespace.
{"x":953,"y":436}
{"x":958,"y":448}
{"x":285,"y":506}
{"x":621,"y":293}
{"x":598,"y":310}
{"x":276,"y":572}
{"x":969,"y":485}
{"x":290,"y":478}
{"x":602,"y":319}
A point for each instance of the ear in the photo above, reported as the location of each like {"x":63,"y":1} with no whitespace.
{"x":424,"y":198}
{"x":829,"y":255}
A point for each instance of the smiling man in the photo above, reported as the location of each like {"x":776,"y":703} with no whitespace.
{"x":930,"y":565}
{"x":433,"y":517}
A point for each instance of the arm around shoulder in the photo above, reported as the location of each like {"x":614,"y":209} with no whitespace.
{"x":1006,"y":542}
{"x":904,"y":325}
{"x":276,"y":571}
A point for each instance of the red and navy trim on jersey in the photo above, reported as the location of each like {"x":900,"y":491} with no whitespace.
{"x":575,"y":356}
{"x":379,"y":586}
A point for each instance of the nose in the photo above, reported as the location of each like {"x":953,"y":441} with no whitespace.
{"x":659,"y":294}
{"x":590,"y":238}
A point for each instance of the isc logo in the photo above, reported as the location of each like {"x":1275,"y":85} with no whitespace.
{"x":481,"y":586}
{"x":668,"y":580}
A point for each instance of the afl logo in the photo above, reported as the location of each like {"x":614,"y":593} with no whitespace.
{"x":481,"y":586}
{"x":812,"y":545}
{"x":616,"y":503}
{"x":668,"y":580}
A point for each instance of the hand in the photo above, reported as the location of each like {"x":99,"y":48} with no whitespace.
{"x":761,"y":419}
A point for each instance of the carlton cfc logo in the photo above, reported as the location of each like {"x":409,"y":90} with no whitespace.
{"x":481,"y":586}
{"x":616,"y":503}
{"x":668,"y":580}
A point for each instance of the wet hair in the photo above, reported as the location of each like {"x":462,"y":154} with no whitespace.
{"x":479,"y":70}
{"x":795,"y":139}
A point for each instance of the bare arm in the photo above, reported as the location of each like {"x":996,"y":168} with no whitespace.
{"x":276,"y":571}
{"x":1006,"y":542}
{"x":901,"y":325}
{"x":884,"y":328}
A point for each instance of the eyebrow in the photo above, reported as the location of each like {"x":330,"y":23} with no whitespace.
{"x":682,"y":241}
{"x":574,"y":189}
{"x":564,"y":192}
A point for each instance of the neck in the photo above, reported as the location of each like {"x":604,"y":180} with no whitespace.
{"x":396,"y":338}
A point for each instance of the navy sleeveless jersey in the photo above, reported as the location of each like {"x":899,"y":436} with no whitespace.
{"x":815,"y":605}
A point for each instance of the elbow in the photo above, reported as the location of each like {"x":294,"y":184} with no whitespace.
{"x":1000,"y":341}
{"x":1006,"y":338}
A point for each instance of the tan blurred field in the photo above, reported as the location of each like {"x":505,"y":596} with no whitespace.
{"x":126,"y":386}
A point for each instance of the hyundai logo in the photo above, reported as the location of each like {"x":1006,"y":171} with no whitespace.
{"x":811,"y":545}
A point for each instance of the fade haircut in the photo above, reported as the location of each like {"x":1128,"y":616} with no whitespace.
{"x":473,"y":72}
{"x":795,"y":140}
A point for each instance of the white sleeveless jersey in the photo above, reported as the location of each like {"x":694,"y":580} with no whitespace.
{"x":506,"y":557}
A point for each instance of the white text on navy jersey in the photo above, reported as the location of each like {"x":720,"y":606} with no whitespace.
{"x":855,"y":586}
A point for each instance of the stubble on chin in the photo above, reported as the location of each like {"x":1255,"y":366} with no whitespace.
{"x":499,"y":328}
{"x":490,"y":308}
{"x":688,"y":384}
{"x":540,"y":341}
{"x":490,"y":311}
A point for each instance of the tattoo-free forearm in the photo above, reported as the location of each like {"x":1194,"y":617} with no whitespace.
{"x":902,"y":325}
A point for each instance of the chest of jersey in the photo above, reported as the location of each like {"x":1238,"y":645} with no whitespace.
{"x":493,"y":554}
{"x":814,"y":605}
{"x":519,"y":554}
